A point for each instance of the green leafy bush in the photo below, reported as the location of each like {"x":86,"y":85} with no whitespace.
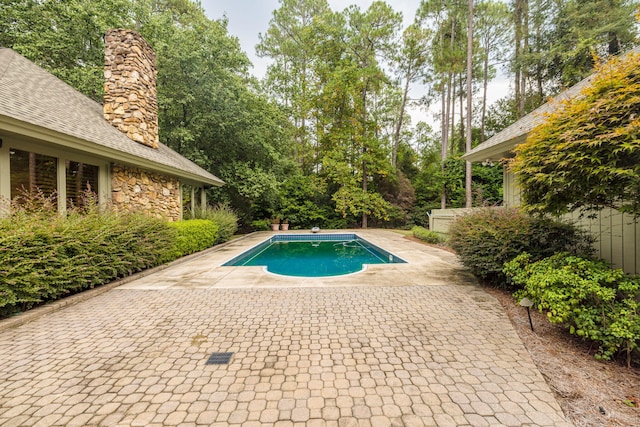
{"x":305,"y":202}
{"x":44,"y":256}
{"x":223,"y":216}
{"x":586,"y":153}
{"x":192,"y":235}
{"x":420,"y":215}
{"x":426,"y":235}
{"x":486,"y":239}
{"x":261,"y":225}
{"x":588,"y":297}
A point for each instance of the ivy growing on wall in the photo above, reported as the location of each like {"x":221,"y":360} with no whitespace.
{"x":586,"y":155}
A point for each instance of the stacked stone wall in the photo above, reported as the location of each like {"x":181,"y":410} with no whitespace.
{"x":134,"y":189}
{"x":130,"y":97}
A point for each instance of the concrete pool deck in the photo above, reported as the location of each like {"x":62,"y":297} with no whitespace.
{"x":416,"y":344}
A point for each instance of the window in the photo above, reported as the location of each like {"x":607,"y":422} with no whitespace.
{"x":81,"y":178}
{"x":31,"y":172}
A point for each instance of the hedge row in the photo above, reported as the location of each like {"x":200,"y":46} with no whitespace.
{"x":427,"y":236}
{"x":44,"y":256}
{"x":192,"y":236}
{"x":223,"y":216}
{"x":592,"y":300}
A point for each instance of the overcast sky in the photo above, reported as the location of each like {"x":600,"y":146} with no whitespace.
{"x":249,"y":18}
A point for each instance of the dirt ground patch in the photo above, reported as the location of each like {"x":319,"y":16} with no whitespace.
{"x":590,"y":392}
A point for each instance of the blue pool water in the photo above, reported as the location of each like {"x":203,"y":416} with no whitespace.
{"x":311,"y":255}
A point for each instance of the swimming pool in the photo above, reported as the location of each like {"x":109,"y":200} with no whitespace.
{"x":313,"y":255}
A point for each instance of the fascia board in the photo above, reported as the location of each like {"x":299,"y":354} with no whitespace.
{"x":495,"y":152}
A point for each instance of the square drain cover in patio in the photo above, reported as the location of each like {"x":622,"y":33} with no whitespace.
{"x":219,"y":358}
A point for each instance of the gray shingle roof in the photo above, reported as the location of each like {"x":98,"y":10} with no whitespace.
{"x":31,"y":95}
{"x":501,"y":143}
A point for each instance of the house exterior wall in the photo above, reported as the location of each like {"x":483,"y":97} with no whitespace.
{"x":133,"y":189}
{"x":511,"y":191}
{"x":617,"y":235}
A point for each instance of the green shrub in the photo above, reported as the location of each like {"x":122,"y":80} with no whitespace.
{"x":223,"y":216}
{"x":304,"y":202}
{"x":192,"y":235}
{"x":338,"y":223}
{"x":588,"y":297}
{"x":486,"y":239}
{"x":426,"y":235}
{"x":44,"y":256}
{"x":261,"y":225}
{"x":420,"y":215}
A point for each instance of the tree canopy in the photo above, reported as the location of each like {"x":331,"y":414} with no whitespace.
{"x":586,"y":154}
{"x":326,"y":138}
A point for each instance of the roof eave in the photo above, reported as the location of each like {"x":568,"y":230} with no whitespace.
{"x":19,"y":127}
{"x":496,"y":152}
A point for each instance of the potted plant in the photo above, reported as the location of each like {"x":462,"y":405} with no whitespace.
{"x":285,"y":225}
{"x":275,"y":224}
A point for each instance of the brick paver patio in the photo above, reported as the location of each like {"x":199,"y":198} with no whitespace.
{"x":394,"y":347}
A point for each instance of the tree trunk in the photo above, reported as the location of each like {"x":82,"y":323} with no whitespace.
{"x":468,"y":170}
{"x":445,"y":109}
{"x":452,"y":132}
{"x":365,"y":178}
{"x":396,"y":137}
{"x":364,"y":189}
{"x":539,"y":65}
{"x":304,"y":146}
{"x":445,"y":116}
{"x":485,"y":83}
{"x":614,"y":44}
{"x":462,"y":130}
{"x":517,"y":17}
{"x":450,"y":109}
{"x":452,"y":89}
{"x":524,"y":75}
{"x":445,"y":145}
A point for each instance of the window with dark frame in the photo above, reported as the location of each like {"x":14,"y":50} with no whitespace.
{"x":81,"y":183}
{"x":32,"y":172}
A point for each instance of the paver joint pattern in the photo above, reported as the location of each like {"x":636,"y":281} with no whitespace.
{"x":399,"y":353}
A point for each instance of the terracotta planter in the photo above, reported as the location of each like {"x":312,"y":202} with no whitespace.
{"x":284,"y":227}
{"x":275,"y":227}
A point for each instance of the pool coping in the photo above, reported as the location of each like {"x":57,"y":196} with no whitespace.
{"x":338,"y":235}
{"x":205,"y":272}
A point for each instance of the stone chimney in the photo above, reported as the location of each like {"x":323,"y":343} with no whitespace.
{"x":130,"y":98}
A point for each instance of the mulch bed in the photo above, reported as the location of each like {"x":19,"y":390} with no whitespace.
{"x":590,"y":392}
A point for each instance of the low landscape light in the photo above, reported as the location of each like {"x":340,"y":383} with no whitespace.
{"x":526,"y":302}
